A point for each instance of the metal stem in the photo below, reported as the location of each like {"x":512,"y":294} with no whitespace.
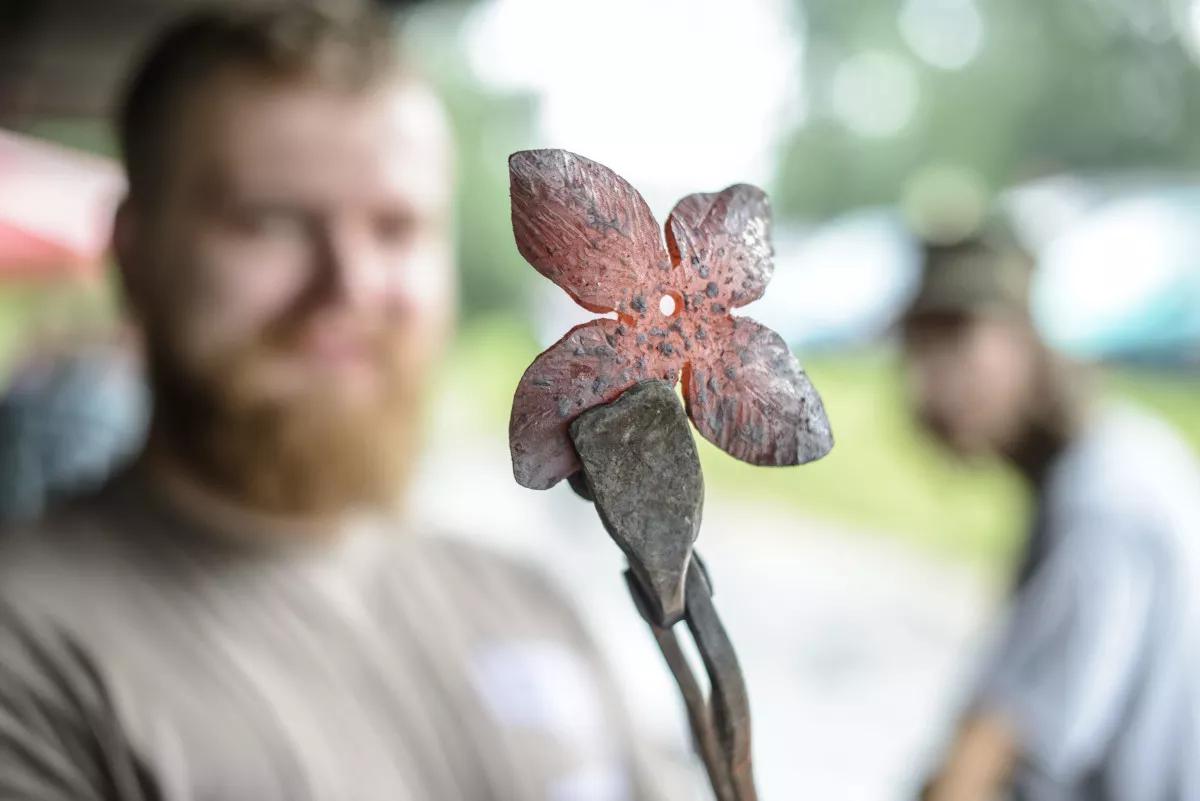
{"x":704,"y":734}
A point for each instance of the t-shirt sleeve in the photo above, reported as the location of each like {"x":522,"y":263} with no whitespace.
{"x":1064,"y":665}
{"x":58,"y":736}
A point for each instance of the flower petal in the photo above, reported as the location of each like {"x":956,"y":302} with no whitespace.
{"x":754,"y":401}
{"x":584,"y":227}
{"x":589,"y":366}
{"x":723,"y":241}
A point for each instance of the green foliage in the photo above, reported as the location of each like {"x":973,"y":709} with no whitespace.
{"x":1055,"y":86}
{"x":493,"y":274}
{"x":82,"y":133}
{"x":39,"y":314}
{"x":1174,"y":396}
{"x":488,"y":127}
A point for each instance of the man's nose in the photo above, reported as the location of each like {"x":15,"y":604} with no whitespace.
{"x":347,"y":270}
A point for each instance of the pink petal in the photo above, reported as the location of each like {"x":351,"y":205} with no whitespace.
{"x":752,"y":400}
{"x":723,"y":242}
{"x":593,"y":364}
{"x":584,"y":227}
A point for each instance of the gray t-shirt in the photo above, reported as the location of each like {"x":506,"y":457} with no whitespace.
{"x":1098,"y":664}
{"x":143,"y":658}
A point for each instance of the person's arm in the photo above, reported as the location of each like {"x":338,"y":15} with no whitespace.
{"x":979,"y":763}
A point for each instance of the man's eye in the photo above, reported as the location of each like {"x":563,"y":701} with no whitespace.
{"x":270,"y":222}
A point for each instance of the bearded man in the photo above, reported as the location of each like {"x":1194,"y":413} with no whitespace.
{"x":243,"y":615}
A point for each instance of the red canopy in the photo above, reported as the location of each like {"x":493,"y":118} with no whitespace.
{"x":56,"y":208}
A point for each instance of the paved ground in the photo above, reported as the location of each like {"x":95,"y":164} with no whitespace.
{"x":855,"y":648}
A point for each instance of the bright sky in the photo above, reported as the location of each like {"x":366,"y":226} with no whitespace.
{"x":677,"y":96}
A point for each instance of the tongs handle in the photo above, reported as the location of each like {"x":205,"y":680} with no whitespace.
{"x":720,"y":723}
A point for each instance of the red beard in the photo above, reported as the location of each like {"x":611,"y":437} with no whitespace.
{"x":312,"y":453}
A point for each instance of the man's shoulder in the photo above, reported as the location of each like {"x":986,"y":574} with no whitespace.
{"x":57,"y":720}
{"x":33,"y":546}
{"x":57,"y":556}
{"x":1127,"y":463}
{"x":42,"y":564}
{"x":1133,"y":484}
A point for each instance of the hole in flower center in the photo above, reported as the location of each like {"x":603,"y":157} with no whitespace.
{"x":666,"y":305}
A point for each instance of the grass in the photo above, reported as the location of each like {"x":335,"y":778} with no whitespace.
{"x":883,"y":475}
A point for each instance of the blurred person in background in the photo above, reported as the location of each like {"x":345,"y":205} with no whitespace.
{"x":70,"y":417}
{"x":244,"y":614}
{"x":1092,"y":690}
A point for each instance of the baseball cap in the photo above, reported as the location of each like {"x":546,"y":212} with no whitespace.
{"x":987,"y":271}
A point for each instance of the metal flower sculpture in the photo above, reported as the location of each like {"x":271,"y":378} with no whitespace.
{"x":586,"y":229}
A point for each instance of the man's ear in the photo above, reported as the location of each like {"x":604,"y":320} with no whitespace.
{"x":128,"y":246}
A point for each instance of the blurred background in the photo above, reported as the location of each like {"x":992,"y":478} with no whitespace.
{"x":857,"y":588}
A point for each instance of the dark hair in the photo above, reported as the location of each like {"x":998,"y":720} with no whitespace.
{"x":346,"y":45}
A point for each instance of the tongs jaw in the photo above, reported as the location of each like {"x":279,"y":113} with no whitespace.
{"x":641,"y":469}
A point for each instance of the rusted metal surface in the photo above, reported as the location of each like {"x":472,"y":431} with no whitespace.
{"x":585,"y":228}
{"x":728,"y":701}
{"x":752,"y":399}
{"x":599,"y":406}
{"x":641,"y":469}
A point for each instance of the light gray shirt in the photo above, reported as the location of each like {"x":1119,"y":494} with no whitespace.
{"x":1098,"y":665}
{"x":142,"y":658}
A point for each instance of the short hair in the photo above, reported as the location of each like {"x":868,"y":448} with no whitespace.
{"x":347,"y":45}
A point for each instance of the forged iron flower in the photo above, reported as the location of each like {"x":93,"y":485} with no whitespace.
{"x":587,"y":230}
